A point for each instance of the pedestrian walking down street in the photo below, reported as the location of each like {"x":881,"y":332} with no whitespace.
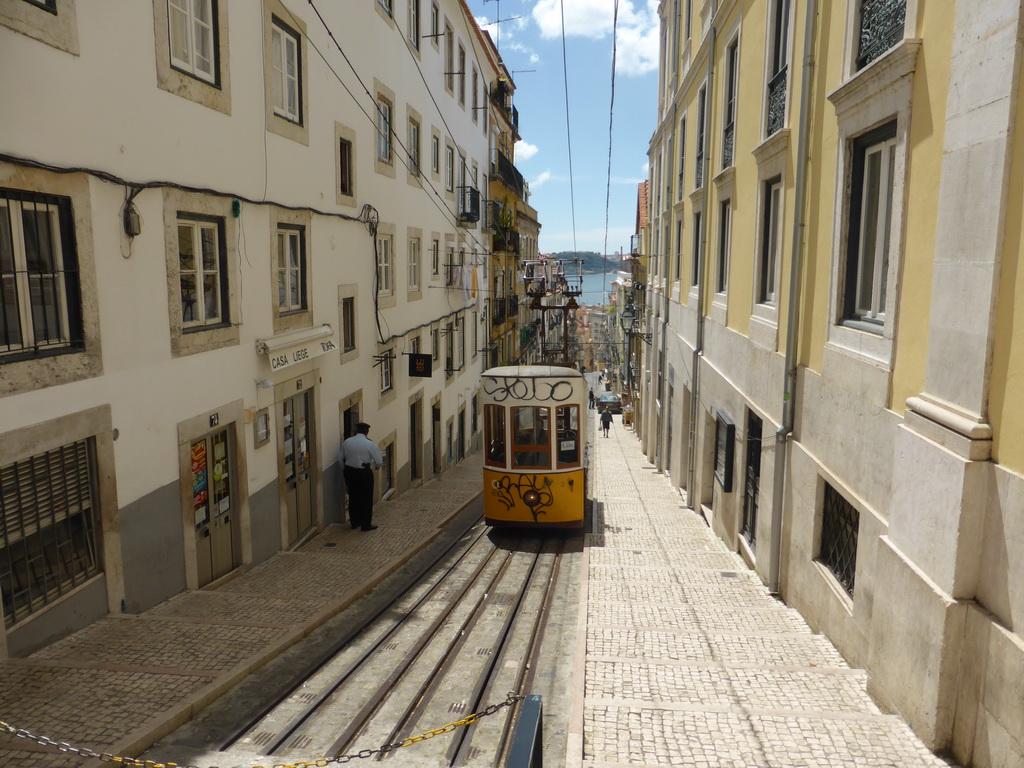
{"x":591,"y":398}
{"x":359,"y":456}
{"x":606,"y":420}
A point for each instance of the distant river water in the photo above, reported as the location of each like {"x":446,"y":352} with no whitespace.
{"x":597,"y":288}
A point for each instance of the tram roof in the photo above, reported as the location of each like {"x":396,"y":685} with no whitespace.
{"x":533,"y":372}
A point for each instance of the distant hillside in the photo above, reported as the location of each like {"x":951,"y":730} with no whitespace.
{"x":593,"y":262}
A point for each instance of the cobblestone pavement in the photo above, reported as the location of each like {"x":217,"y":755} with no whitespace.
{"x":124,"y":682}
{"x":685,"y":659}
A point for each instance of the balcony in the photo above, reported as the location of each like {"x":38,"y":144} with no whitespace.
{"x":776,"y":102}
{"x":492,"y":214}
{"x":881,"y":26}
{"x":506,"y":240}
{"x":499,"y":311}
{"x":502,"y":168}
{"x":469,"y":205}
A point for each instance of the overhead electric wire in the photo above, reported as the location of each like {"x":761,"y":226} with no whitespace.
{"x":568,"y":132}
{"x":611,"y":116}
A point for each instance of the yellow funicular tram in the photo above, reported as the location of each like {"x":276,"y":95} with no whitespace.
{"x":535,"y":437}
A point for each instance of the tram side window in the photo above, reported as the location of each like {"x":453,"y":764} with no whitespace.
{"x":494,"y":434}
{"x":568,"y":435}
{"x":531,"y":447}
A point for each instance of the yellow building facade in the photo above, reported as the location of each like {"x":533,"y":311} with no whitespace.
{"x":832,"y":243}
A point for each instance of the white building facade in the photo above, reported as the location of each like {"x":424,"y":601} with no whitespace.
{"x":224,"y":229}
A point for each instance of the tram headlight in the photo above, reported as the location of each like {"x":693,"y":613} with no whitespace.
{"x":531,"y":498}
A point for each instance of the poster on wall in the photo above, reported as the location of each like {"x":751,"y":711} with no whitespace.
{"x":200,"y":492}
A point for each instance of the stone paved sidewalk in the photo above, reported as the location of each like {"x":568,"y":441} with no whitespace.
{"x":686,"y":660}
{"x":124,"y":682}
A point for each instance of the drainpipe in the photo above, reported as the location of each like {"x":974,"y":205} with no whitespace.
{"x":783,"y":433}
{"x":701,"y":268}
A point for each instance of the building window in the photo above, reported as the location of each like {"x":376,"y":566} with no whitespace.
{"x":435,"y":344}
{"x":682,"y":157}
{"x":449,"y":59}
{"x":752,"y":482}
{"x":414,"y":23}
{"x":435,"y":22}
{"x":435,"y":154}
{"x":46,"y":5}
{"x":386,"y":6}
{"x":476,"y":94}
{"x":39,"y":289}
{"x":414,"y":148}
{"x":449,"y":350}
{"x":778,"y":67}
{"x":50,"y":539}
{"x":449,"y":267}
{"x":725,"y":440}
{"x":291,"y":269}
{"x":435,"y":257}
{"x":345,"y":186}
{"x":771,"y":240}
{"x":202,"y":271}
{"x":867,"y":261}
{"x":384,"y":114}
{"x":414,"y":345}
{"x":387,"y":471}
{"x":286,"y":73}
{"x":695,"y":251}
{"x":460,"y":342}
{"x":881,"y":26}
{"x":192,"y":33}
{"x":385,"y":275}
{"x":414,"y":264}
{"x":387,"y":362}
{"x":698,"y":169}
{"x":462,"y":75}
{"x":449,"y":169}
{"x":724,"y":240}
{"x":840,"y":525}
{"x":476,"y":338}
{"x":348,"y":323}
{"x":729,"y":118}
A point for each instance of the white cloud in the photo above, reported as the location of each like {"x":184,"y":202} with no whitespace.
{"x":525,"y":150}
{"x":645,"y":169}
{"x":536,"y":183}
{"x":637,"y":37}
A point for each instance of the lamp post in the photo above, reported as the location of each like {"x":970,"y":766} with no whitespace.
{"x":628,"y":319}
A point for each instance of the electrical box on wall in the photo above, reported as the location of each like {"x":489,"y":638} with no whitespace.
{"x":132,"y":221}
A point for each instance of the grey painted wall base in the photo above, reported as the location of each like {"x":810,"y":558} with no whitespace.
{"x":75,"y":612}
{"x":152,"y":548}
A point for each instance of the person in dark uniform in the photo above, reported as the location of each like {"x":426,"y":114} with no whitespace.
{"x":606,"y":420}
{"x":359,"y":457}
{"x":591,"y":398}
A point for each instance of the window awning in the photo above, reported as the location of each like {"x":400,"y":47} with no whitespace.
{"x":290,"y":348}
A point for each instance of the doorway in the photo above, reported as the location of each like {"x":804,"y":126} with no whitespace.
{"x":213,"y":484}
{"x":299,"y":459}
{"x":415,"y":468}
{"x":435,"y":426}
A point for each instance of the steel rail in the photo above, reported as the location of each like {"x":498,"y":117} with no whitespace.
{"x":366,"y":712}
{"x":325,"y":657}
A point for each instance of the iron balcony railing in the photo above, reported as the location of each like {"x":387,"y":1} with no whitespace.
{"x":469,"y":205}
{"x":777,"y":101}
{"x":728,"y":138}
{"x":881,"y":27}
{"x":502,"y":168}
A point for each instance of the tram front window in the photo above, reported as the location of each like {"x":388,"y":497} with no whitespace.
{"x":494,"y":434}
{"x":568,"y":435}
{"x":531,"y":448}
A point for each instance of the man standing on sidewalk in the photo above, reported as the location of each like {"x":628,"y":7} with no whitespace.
{"x":359,"y":457}
{"x":606,"y":420}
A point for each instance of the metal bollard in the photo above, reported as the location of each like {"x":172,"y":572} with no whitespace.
{"x":528,"y":742}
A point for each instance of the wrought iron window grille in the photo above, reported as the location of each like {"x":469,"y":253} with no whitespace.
{"x":839,"y":532}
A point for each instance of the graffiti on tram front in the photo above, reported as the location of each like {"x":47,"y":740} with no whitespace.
{"x":533,"y":490}
{"x":512,"y":387}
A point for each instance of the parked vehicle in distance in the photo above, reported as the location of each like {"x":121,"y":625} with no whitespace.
{"x":613,"y":401}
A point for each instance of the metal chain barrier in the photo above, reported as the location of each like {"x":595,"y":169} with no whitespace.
{"x":135,"y":762}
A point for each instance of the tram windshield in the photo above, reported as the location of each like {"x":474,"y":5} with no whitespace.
{"x":494,"y":434}
{"x":531,"y":434}
{"x":568,"y":435}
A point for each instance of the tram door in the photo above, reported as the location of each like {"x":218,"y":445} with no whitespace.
{"x":213,"y":464}
{"x":297,"y":438}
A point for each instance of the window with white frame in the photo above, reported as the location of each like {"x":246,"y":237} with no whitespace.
{"x":698,"y":168}
{"x":413,"y":24}
{"x":291,"y":269}
{"x":191,"y":29}
{"x":435,"y":257}
{"x":724,"y":241}
{"x":385,"y":267}
{"x":771,"y":240}
{"x":414,"y":345}
{"x":385,"y":112}
{"x":682,"y":157}
{"x":778,"y":67}
{"x":435,"y":344}
{"x":449,"y":169}
{"x":462,"y":75}
{"x":695,"y":250}
{"x":40,"y":306}
{"x":729,"y":116}
{"x":387,"y":6}
{"x":387,"y":371}
{"x":345,"y":175}
{"x":460,"y":342}
{"x":435,"y":22}
{"x":449,"y":58}
{"x":435,"y":154}
{"x":449,"y":266}
{"x":202,"y":271}
{"x":286,"y":74}
{"x":476,"y":99}
{"x":867,"y":254}
{"x":449,"y":350}
{"x":476,"y":334}
{"x":414,"y":264}
{"x":414,"y":147}
{"x":348,"y":323}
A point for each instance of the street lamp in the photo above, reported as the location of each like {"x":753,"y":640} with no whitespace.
{"x":628,"y":320}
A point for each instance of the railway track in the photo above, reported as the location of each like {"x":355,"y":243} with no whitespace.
{"x":449,"y":646}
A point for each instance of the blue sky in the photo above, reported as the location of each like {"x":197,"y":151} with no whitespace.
{"x":534,"y":42}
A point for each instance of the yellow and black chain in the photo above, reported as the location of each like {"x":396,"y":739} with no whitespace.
{"x":135,"y":762}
